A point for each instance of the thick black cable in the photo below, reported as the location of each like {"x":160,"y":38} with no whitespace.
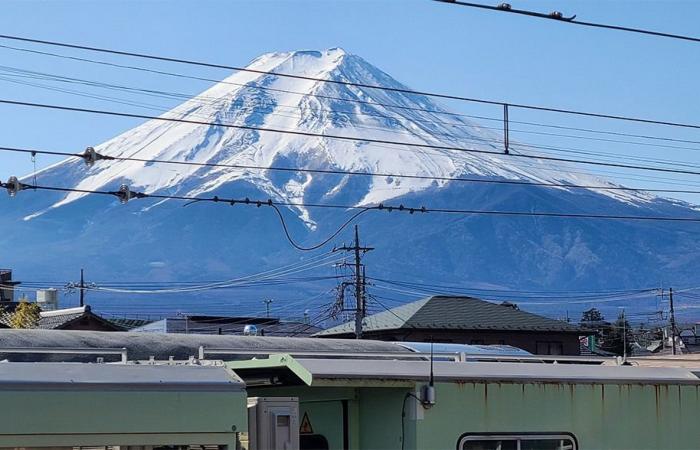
{"x":571,"y":20}
{"x":355,"y":173}
{"x":211,"y":101}
{"x":349,"y":83}
{"x":322,"y":243}
{"x":380,"y":207}
{"x":341,"y":137}
{"x":447,"y":135}
{"x":347,"y":100}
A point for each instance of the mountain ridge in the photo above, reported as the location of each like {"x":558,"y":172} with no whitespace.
{"x":520,"y":253}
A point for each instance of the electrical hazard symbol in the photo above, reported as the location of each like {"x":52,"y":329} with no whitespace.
{"x":305,"y":427}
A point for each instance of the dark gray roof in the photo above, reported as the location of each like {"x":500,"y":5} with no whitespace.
{"x":161,"y":346}
{"x":51,"y":320}
{"x":74,"y":376}
{"x":126,"y":323}
{"x":454,"y":313}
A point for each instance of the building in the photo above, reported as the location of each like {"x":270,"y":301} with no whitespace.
{"x":467,"y":320}
{"x":7,"y":286}
{"x":80,"y":318}
{"x":252,"y":392}
{"x":264,"y":326}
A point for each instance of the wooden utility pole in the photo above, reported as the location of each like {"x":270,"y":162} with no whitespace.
{"x":359,"y":282}
{"x":673,"y":321}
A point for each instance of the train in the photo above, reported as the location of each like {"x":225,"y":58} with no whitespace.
{"x":89,"y":389}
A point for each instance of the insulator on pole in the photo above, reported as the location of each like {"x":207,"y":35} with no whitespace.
{"x":124,"y":194}
{"x":13,"y":186}
{"x":90,"y":156}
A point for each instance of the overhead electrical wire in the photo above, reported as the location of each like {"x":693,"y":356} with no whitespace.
{"x":529,"y":145}
{"x":17,"y":72}
{"x":252,"y":86}
{"x":316,"y":95}
{"x":348,"y":172}
{"x":602,"y":299}
{"x":407,"y":132}
{"x":341,"y":137}
{"x":124,"y":194}
{"x":523,"y":144}
{"x":349,"y":83}
{"x":559,"y":17}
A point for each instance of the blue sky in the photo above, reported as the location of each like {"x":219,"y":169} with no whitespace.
{"x":426,"y":45}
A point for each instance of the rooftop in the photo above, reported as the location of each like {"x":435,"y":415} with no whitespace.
{"x":61,"y":318}
{"x":86,"y":376}
{"x":228,"y":325}
{"x":454,"y":313}
{"x":348,"y":371}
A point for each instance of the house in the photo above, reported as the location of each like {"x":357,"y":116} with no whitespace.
{"x":466,"y":320}
{"x":80,"y":318}
{"x":229,"y":325}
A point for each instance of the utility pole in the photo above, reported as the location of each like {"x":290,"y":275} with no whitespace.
{"x":359,"y":282}
{"x":624,"y":336}
{"x":267,"y":306}
{"x":82,"y":287}
{"x":673,"y":321}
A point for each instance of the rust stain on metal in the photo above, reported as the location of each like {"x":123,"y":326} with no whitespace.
{"x":656,"y":392}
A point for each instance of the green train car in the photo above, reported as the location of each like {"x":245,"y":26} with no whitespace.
{"x":377,"y":404}
{"x":347,"y":396}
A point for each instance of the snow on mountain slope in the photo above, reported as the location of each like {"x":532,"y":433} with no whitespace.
{"x":282,"y":103}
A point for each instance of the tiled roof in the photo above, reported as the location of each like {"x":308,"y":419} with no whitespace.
{"x":6,"y":311}
{"x":127,"y":323}
{"x":454,"y":313}
{"x":51,"y":320}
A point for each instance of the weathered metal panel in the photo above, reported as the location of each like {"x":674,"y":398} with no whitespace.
{"x":601,"y":416}
{"x":126,"y":407}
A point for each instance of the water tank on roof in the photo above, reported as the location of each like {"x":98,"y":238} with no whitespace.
{"x":47,"y":299}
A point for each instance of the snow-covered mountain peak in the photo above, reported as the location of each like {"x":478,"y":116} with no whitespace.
{"x":251,"y":103}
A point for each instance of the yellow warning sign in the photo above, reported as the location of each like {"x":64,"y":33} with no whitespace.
{"x":305,"y":427}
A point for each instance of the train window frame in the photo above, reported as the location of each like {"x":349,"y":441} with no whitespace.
{"x":467,"y":437}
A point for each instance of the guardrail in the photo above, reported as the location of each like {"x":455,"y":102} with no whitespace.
{"x":122,"y":351}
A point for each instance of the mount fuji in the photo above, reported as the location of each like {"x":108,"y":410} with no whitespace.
{"x":50,"y":235}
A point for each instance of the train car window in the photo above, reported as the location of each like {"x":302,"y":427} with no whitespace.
{"x":517,"y":442}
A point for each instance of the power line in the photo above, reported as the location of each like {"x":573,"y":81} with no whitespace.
{"x":212,"y":100}
{"x":317,"y":95}
{"x":349,"y":83}
{"x":348,"y":172}
{"x":558,"y":17}
{"x":125,"y":194}
{"x":341,"y":137}
{"x":203,"y":101}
